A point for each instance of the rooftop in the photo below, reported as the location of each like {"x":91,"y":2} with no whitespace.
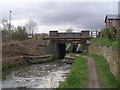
{"x":112,"y":16}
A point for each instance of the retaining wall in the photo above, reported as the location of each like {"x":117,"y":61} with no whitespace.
{"x":111,"y":55}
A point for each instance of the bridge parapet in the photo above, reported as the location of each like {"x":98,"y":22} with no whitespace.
{"x":68,"y":34}
{"x":53,"y":33}
{"x":85,"y":33}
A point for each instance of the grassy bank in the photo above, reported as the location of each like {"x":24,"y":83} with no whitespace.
{"x":105,"y":77}
{"x":104,"y":42}
{"x":78,"y":76}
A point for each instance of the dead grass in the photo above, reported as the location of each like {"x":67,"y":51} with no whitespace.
{"x":12,"y":52}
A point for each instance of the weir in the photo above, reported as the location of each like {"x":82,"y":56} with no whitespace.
{"x":57,"y":42}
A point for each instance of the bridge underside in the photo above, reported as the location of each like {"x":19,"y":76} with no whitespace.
{"x":57,"y":41}
{"x":58,"y":45}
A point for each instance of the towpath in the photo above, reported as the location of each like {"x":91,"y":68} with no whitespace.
{"x":92,"y":75}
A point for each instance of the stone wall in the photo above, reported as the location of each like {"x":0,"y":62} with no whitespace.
{"x":111,"y":55}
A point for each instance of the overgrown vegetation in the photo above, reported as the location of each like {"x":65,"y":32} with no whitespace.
{"x":110,"y":33}
{"x":78,"y":76}
{"x":105,"y":77}
{"x":19,"y":33}
{"x":104,"y":42}
{"x":109,"y":37}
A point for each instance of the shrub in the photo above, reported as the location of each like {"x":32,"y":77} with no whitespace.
{"x":110,"y":33}
{"x":19,"y":34}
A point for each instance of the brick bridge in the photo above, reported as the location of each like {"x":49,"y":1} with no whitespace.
{"x":57,"y":41}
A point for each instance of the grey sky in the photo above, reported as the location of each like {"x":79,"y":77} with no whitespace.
{"x":60,"y":15}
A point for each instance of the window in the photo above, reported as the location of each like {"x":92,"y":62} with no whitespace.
{"x":113,"y":22}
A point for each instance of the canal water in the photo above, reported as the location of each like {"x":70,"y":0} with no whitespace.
{"x":47,"y":75}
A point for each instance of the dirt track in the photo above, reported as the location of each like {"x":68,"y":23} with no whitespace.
{"x":93,"y":81}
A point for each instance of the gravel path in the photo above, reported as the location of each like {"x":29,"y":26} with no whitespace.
{"x":93,"y":81}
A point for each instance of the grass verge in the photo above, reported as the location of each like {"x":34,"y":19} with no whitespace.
{"x":104,"y":42}
{"x":105,"y":77}
{"x":78,"y":77}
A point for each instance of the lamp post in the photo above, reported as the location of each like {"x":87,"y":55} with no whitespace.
{"x":10,"y":21}
{"x":9,"y":24}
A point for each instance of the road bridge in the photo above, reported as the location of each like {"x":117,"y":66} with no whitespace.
{"x":57,"y":41}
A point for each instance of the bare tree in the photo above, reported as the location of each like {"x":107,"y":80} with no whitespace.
{"x":6,"y":31}
{"x":31,"y":26}
{"x":5,"y":24}
{"x":19,"y":34}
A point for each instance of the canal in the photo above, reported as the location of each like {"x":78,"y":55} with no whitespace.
{"x":45,"y":75}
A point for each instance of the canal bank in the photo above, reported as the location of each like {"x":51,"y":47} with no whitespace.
{"x":78,"y":76}
{"x":28,"y":61}
{"x":13,"y":53}
{"x":110,"y":51}
{"x":105,"y":77}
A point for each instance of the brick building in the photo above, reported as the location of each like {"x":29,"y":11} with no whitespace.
{"x":112,"y":20}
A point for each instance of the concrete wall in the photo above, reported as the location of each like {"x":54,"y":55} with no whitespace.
{"x":111,"y":55}
{"x":42,"y":48}
{"x":52,"y":46}
{"x":56,"y":48}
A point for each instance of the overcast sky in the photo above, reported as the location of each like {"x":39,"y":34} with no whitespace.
{"x":59,"y":15}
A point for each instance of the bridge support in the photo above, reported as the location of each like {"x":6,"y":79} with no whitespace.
{"x":61,"y":50}
{"x":69,"y":48}
{"x":85,"y":46}
{"x":56,"y":48}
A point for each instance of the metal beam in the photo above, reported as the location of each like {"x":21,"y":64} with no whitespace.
{"x":79,"y":37}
